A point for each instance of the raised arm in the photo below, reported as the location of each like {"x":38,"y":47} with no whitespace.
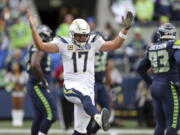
{"x":43,"y":46}
{"x":118,"y":41}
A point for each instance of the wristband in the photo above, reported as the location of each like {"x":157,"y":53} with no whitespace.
{"x":121,"y":35}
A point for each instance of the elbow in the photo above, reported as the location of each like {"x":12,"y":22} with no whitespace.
{"x":39,"y":45}
{"x":139,"y":70}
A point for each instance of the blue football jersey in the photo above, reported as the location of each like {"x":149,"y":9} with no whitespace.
{"x":45,"y":65}
{"x":162,"y":61}
{"x":100,"y":65}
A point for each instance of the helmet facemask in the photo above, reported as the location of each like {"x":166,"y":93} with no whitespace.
{"x":167,"y":32}
{"x":80,"y":32}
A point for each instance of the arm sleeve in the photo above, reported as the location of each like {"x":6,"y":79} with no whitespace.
{"x":99,"y":42}
{"x":58,"y":43}
{"x":177,"y":56}
{"x":143,"y":66}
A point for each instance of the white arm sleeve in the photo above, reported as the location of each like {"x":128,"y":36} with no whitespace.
{"x":98,"y":43}
{"x":58,"y":43}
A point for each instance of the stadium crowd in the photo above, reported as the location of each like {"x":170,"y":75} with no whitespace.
{"x":128,"y":91}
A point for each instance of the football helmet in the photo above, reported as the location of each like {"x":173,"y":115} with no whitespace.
{"x":166,"y":31}
{"x":45,"y":33}
{"x":80,"y":27}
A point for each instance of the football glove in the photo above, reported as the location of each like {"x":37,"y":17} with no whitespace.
{"x":44,"y":84}
{"x":127,"y":21}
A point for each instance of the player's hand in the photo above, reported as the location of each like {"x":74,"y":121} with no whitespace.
{"x":31,"y":18}
{"x":127,"y":20}
{"x":44,"y":84}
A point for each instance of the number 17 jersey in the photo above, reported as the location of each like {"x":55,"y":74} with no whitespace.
{"x":78,"y":61}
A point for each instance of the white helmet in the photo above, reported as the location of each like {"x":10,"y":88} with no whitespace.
{"x":79,"y":26}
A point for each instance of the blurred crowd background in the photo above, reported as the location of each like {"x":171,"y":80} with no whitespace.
{"x":130,"y":95}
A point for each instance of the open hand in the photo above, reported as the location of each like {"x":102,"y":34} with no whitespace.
{"x":127,"y":21}
{"x":31,"y":18}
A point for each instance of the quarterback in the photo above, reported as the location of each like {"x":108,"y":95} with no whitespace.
{"x":78,"y":54}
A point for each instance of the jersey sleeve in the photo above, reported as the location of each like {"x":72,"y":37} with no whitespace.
{"x":176,"y":57}
{"x":99,"y":41}
{"x":33,"y":48}
{"x":58,"y":41}
{"x":176,"y":44}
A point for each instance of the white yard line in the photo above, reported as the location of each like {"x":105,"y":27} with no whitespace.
{"x":60,"y":131}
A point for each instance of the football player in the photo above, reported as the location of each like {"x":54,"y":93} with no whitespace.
{"x":163,"y":58}
{"x":38,"y":67}
{"x":101,"y":73}
{"x":78,"y":54}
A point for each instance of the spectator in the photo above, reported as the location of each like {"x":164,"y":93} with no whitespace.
{"x":4,"y":43}
{"x":20,"y":34}
{"x":15,"y":56}
{"x":144,"y":10}
{"x":144,"y":106}
{"x":92,"y":24}
{"x":136,"y":48}
{"x":109,"y":31}
{"x":16,"y":80}
{"x":162,"y":7}
{"x":120,"y":7}
{"x":116,"y":93}
{"x":175,"y":10}
{"x":63,"y":29}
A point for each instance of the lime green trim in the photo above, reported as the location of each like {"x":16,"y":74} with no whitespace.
{"x":176,"y":107}
{"x":69,"y":91}
{"x":44,"y":102}
{"x":177,"y":42}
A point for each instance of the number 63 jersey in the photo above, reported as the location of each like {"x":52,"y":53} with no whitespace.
{"x":78,"y":61}
{"x":161,"y":57}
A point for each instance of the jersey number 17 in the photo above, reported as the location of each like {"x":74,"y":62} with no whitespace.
{"x":78,"y":55}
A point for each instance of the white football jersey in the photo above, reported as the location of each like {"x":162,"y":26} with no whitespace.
{"x":78,"y":61}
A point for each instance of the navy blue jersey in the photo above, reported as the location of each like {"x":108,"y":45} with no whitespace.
{"x":45,"y":65}
{"x":163,"y":59}
{"x":100,"y":66}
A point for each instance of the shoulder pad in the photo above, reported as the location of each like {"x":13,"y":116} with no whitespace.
{"x":176,"y":44}
{"x":95,"y":38}
{"x":62,"y":39}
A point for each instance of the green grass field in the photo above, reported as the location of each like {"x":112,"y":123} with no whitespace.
{"x":130,"y":128}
